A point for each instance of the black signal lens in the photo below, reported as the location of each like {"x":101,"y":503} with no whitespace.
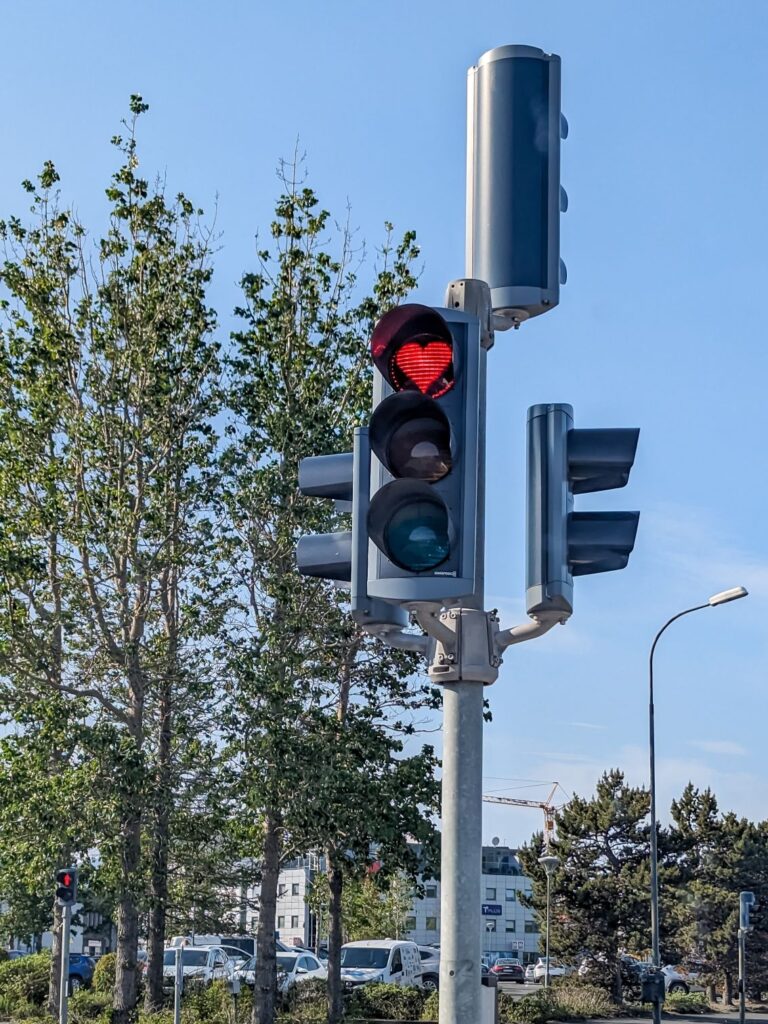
{"x":417,"y":536}
{"x":411,"y":436}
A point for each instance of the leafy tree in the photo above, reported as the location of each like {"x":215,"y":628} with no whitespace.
{"x":600,"y":891}
{"x":719,"y":856}
{"x":373,"y":907}
{"x":107,"y":391}
{"x":300,"y":380}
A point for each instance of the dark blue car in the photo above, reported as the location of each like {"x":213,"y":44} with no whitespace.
{"x":81,"y":969}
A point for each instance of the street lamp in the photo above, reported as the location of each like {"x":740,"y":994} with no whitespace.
{"x":549,"y":862}
{"x":722,"y":598}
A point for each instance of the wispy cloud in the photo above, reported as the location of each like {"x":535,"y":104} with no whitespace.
{"x":726,"y":747}
{"x":586,"y":725}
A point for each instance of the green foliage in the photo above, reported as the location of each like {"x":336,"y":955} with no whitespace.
{"x":374,"y":907}
{"x":306,"y":1002}
{"x":25,"y":979}
{"x":387,"y":1002}
{"x":85,"y":1006}
{"x":582,"y":1001}
{"x":534,"y":1009}
{"x":104,"y":973}
{"x":431,"y":1007}
{"x":687,"y":1002}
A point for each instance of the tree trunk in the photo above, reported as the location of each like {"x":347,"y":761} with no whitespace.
{"x":158,"y":904}
{"x":618,"y":988}
{"x":54,"y":980}
{"x":125,"y":991}
{"x":727,"y":988}
{"x":265,"y":987}
{"x":335,"y":887}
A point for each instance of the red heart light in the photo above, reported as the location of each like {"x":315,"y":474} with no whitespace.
{"x":425,"y":365}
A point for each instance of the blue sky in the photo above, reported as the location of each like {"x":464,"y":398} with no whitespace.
{"x":660,"y":325}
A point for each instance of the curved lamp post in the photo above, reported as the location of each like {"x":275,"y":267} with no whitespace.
{"x":722,"y":598}
{"x":549,"y":863}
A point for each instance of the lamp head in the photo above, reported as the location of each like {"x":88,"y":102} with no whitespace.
{"x":728,"y":595}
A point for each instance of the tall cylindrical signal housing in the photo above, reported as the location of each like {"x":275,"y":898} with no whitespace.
{"x":514,"y":198}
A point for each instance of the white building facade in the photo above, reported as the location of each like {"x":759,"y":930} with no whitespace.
{"x":509,"y":928}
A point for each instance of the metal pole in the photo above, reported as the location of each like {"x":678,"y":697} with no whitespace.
{"x":546,"y":940}
{"x":460,"y":875}
{"x":654,"y":827}
{"x":178,"y":987}
{"x":66,"y":920}
{"x":742,"y":975}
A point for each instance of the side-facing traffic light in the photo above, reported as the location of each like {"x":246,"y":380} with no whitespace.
{"x":747,"y":902}
{"x":514,"y":197}
{"x":561,"y":543}
{"x":66,"y":886}
{"x":426,"y":431}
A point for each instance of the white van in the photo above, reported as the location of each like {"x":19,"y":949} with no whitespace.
{"x":392,"y":961}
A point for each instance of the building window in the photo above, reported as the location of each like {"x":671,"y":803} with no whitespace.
{"x":295,"y":921}
{"x":511,"y":926}
{"x":531,"y":927}
{"x":510,"y":895}
{"x":490,"y":894}
{"x":410,"y":924}
{"x":431,"y":892}
{"x":490,"y":926}
{"x":431,"y":924}
{"x":281,"y":922}
{"x":295,"y":889}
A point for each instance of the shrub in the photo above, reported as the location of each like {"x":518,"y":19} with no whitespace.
{"x":583,"y":1001}
{"x":104,"y":973}
{"x":386,"y":1002}
{"x":535,"y":1009}
{"x":25,"y":980}
{"x":87,"y":1006}
{"x":687,"y":1002}
{"x":307,"y":1001}
{"x":430,"y":1010}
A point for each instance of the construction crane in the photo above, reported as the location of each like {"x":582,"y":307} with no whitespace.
{"x":546,"y":806}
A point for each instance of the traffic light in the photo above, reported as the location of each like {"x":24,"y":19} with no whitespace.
{"x":747,"y":902}
{"x":343,"y":556}
{"x":561,"y":543}
{"x":514,"y":197}
{"x":66,"y":886}
{"x":425,"y":517}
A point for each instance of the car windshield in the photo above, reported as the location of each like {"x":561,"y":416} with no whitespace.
{"x":286,"y":962}
{"x":249,"y":965}
{"x":189,"y":957}
{"x":364,"y":956}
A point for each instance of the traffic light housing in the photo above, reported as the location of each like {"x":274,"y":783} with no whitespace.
{"x":747,"y":902}
{"x":66,"y":886}
{"x":514,"y":196}
{"x":561,"y":543}
{"x":425,"y":515}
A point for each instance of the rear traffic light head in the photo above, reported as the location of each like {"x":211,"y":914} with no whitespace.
{"x":562,"y":543}
{"x":514,"y":198}
{"x":66,"y":886}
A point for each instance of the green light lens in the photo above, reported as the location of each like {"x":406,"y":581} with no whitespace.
{"x":417,"y":536}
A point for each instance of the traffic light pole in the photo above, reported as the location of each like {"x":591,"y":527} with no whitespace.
{"x":66,"y":922}
{"x":742,"y":975}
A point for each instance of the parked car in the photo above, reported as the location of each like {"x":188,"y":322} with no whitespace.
{"x":203,"y":963}
{"x":236,"y":955}
{"x":509,"y":970}
{"x":13,"y":954}
{"x":81,"y":968}
{"x":680,"y":979}
{"x":556,"y":969}
{"x":392,"y":961}
{"x":430,"y":967}
{"x":292,"y":966}
{"x":529,"y":975}
{"x":487,"y":977}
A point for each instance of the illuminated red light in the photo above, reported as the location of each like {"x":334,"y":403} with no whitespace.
{"x":412,"y":347}
{"x":425,"y":365}
{"x":67,"y":879}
